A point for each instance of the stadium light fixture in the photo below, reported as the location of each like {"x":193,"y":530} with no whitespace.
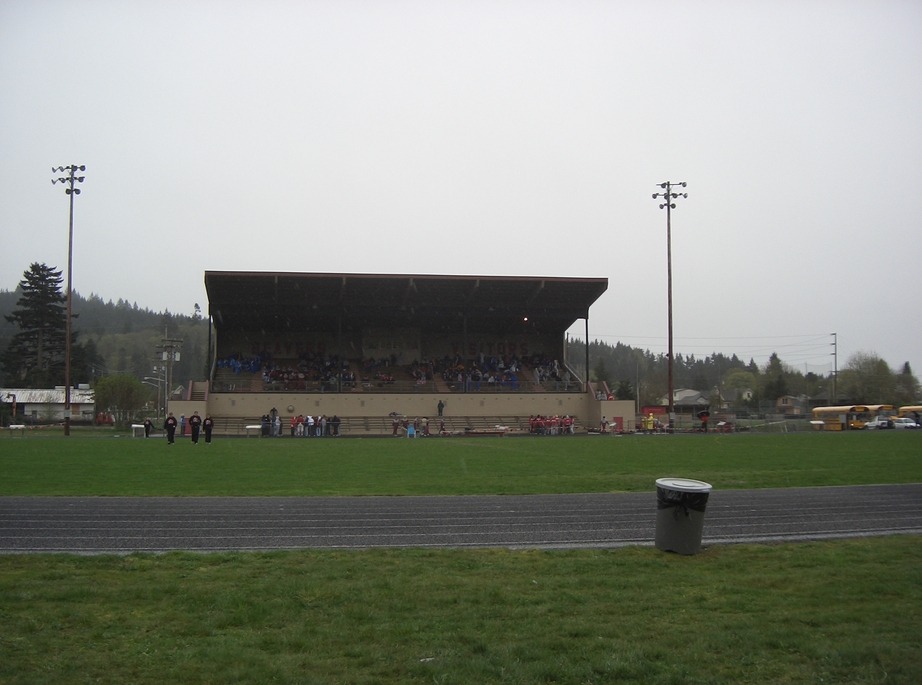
{"x":69,"y":180}
{"x":669,"y":196}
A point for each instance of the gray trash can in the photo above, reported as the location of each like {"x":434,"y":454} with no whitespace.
{"x":680,"y":505}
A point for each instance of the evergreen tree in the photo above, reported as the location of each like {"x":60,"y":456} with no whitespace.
{"x":907,"y":387}
{"x":624,"y":391}
{"x":35,"y":354}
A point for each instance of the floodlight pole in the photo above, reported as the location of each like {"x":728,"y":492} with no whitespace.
{"x":70,"y":179}
{"x":668,"y":197}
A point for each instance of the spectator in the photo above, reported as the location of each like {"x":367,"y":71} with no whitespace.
{"x":170,"y":426}
{"x":195,"y":425}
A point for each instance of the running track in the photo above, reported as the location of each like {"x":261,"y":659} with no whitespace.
{"x":103,"y":525}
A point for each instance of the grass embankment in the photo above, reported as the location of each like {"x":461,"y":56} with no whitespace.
{"x":831,"y":612}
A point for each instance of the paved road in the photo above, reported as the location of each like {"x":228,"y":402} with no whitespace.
{"x":96,"y":525}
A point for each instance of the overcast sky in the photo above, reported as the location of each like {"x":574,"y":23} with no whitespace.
{"x":486,"y":138}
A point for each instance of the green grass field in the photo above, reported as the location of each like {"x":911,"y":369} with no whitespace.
{"x":54,"y":465}
{"x":831,"y":612}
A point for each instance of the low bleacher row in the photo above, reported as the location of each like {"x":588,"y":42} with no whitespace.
{"x":384,"y":425}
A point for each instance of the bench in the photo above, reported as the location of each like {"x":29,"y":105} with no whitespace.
{"x":21,"y":427}
{"x":253,"y":427}
{"x":137,"y":430}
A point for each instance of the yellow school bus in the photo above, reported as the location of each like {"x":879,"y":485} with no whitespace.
{"x":910,"y":410}
{"x":848,"y":417}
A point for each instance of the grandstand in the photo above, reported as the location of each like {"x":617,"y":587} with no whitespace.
{"x":368,"y":348}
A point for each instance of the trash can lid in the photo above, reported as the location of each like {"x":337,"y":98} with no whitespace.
{"x":683,"y":484}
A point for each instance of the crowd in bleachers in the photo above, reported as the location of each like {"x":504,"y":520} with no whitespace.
{"x":241,"y":364}
{"x":506,"y":372}
{"x":310,"y":371}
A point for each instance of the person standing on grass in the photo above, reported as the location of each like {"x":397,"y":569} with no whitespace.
{"x":208,"y":426}
{"x":148,"y":427}
{"x":195,"y":425}
{"x":170,"y":426}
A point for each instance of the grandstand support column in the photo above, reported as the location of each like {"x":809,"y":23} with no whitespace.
{"x":464,"y":341}
{"x":586,"y":385}
{"x":211,"y":361}
{"x":668,"y":196}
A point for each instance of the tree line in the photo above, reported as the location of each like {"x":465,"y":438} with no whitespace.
{"x":108,"y":339}
{"x":114,"y":349}
{"x":633,"y":373}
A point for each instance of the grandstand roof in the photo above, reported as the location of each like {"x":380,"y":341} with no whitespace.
{"x":276,"y":302}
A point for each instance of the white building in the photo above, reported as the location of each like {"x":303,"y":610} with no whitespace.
{"x":38,"y":406}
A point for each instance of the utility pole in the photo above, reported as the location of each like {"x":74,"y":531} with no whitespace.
{"x":70,"y":179}
{"x":668,"y":196}
{"x":169,"y":349}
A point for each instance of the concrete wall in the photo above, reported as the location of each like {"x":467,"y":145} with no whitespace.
{"x":186,"y":407}
{"x":252,"y":405}
{"x":616,"y":409}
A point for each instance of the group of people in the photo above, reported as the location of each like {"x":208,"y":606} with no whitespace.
{"x":306,"y":373}
{"x":415,"y":428}
{"x":309,"y":370}
{"x":197,"y":426}
{"x":314,"y":426}
{"x":300,"y":426}
{"x":551,"y":425}
{"x":239,"y":363}
{"x":501,"y":372}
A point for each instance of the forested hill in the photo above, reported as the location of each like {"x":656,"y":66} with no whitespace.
{"x":125,"y":337}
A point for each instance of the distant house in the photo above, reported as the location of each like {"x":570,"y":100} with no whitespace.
{"x":38,"y":406}
{"x":687,"y":401}
{"x":791,"y":405}
{"x":736,"y":396}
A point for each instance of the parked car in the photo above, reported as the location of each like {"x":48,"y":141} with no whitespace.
{"x":880,"y":422}
{"x":904,"y":422}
